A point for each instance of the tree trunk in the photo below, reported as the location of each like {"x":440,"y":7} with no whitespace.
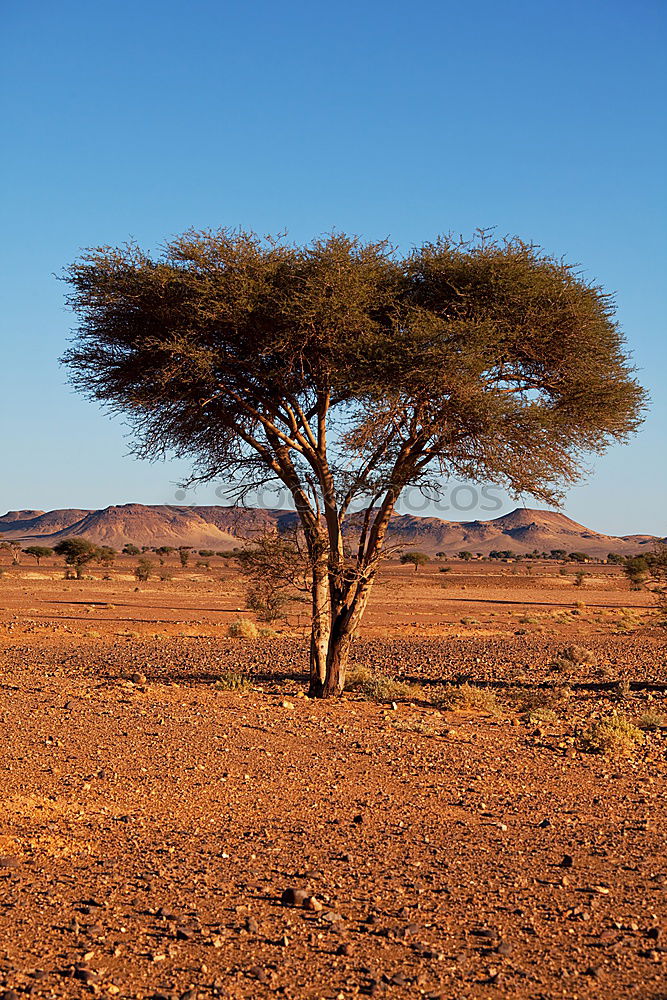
{"x":321,"y":629}
{"x":342,"y":631}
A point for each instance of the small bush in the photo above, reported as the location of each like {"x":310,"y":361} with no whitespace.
{"x":243,"y":628}
{"x":143,"y":570}
{"x":613,"y":735}
{"x":378,"y":687}
{"x":232,"y":682}
{"x":651,"y":720}
{"x":538,"y":716}
{"x":574,"y":656}
{"x":467,"y":696}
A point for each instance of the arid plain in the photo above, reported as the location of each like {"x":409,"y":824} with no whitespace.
{"x":468,"y":828}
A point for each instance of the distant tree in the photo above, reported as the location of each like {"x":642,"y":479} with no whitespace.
{"x":184,"y":556}
{"x":579,"y":557}
{"x":143,"y":569}
{"x":14,"y":548}
{"x":466,"y":556}
{"x":636,"y":568}
{"x":558,"y":554}
{"x":346,"y":373}
{"x":207,"y":553}
{"x":77,"y":552}
{"x":107,"y":555}
{"x":131,"y":550}
{"x":616,"y":559}
{"x":164,"y":550}
{"x":38,"y":552}
{"x":579,"y":577}
{"x":416,"y":559}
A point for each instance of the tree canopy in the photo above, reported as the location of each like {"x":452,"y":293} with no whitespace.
{"x":346,"y":371}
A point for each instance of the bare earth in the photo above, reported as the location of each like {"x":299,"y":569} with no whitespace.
{"x":150,"y":820}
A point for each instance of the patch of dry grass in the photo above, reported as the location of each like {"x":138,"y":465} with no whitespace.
{"x":613,"y":735}
{"x":378,"y":686}
{"x":469,"y":697}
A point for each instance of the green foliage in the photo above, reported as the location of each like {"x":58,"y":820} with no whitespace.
{"x":230,"y":681}
{"x":346,"y":373}
{"x":465,"y":555}
{"x":415,"y":559}
{"x":131,"y":550}
{"x":184,"y":556}
{"x":38,"y":552}
{"x":144,"y":569}
{"x":78,"y":552}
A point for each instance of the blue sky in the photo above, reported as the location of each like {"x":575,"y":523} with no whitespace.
{"x":403,"y":120}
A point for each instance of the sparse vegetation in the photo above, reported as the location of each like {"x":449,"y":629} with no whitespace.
{"x":243,"y":628}
{"x":230,"y":681}
{"x":415,"y":559}
{"x":78,"y":553}
{"x":379,"y":687}
{"x":38,"y":552}
{"x":144,"y":569}
{"x":651,"y":720}
{"x":574,"y":656}
{"x":613,"y":735}
{"x":469,"y":697}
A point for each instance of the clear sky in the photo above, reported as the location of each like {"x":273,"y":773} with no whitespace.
{"x":140,"y":119}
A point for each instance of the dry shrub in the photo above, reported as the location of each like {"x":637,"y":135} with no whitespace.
{"x":243,"y":628}
{"x":651,"y":720}
{"x":574,"y":656}
{"x":379,"y":687}
{"x":613,"y":735}
{"x":539,"y":716}
{"x":232,"y":682}
{"x":467,"y":696}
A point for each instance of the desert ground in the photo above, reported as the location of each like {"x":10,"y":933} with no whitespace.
{"x":477,"y":817}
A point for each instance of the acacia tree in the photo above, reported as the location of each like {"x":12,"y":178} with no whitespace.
{"x":347,"y":372}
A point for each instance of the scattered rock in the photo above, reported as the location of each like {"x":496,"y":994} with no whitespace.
{"x":293,"y":897}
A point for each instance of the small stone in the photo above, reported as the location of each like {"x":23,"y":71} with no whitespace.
{"x":251,"y":925}
{"x":358,"y":819}
{"x":9,"y":995}
{"x":258,"y":973}
{"x":138,"y":678}
{"x":189,"y":995}
{"x":312,"y":903}
{"x":546,"y":822}
{"x":183,"y":934}
{"x":343,"y":949}
{"x":567,"y":861}
{"x":398,"y":979}
{"x":293,"y":897}
{"x":86,"y":976}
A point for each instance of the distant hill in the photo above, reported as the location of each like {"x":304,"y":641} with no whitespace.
{"x":221,"y":528}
